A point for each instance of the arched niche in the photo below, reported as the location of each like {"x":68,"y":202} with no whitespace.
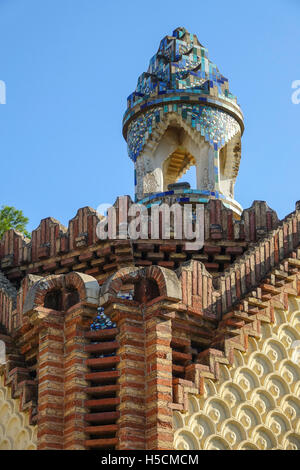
{"x":60,"y":292}
{"x":148,"y":284}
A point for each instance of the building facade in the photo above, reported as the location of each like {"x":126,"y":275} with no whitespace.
{"x":153,"y":341}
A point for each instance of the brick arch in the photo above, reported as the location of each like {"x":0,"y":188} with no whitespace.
{"x":167,"y":281}
{"x":36,"y":295}
{"x":86,"y":286}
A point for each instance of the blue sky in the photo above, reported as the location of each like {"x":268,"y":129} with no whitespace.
{"x":69,"y":66}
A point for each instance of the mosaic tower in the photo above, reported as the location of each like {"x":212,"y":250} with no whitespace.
{"x":182,"y":114}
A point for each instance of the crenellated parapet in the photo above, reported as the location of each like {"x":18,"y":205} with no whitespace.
{"x":53,"y":249}
{"x":50,"y":240}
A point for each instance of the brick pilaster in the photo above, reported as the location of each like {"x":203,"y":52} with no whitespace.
{"x":131,"y":423}
{"x":74,"y":379}
{"x":158,"y":353}
{"x":51,"y":382}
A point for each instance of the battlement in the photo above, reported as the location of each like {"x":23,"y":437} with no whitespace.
{"x":54,"y":249}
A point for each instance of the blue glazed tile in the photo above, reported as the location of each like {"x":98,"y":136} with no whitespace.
{"x":203,"y":200}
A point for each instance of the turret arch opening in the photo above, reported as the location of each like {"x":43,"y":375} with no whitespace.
{"x":176,"y":152}
{"x":176,"y":165}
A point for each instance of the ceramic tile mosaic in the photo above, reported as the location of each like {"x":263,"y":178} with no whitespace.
{"x":214,"y":125}
{"x":181,"y":64}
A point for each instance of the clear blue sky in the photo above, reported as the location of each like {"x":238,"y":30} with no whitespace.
{"x":69,"y":66}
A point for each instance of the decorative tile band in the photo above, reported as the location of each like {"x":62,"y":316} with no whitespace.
{"x":190,"y":196}
{"x":176,"y":97}
{"x":217,"y":127}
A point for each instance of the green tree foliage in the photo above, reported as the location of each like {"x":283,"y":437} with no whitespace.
{"x":10,"y":217}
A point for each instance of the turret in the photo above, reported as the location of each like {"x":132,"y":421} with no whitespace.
{"x":182,"y":114}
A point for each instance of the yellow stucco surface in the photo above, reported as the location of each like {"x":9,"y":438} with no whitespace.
{"x":15,"y":431}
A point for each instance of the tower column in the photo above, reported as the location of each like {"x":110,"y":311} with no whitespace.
{"x":51,"y":382}
{"x":75,"y":371}
{"x":131,"y":339}
{"x":158,"y":353}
